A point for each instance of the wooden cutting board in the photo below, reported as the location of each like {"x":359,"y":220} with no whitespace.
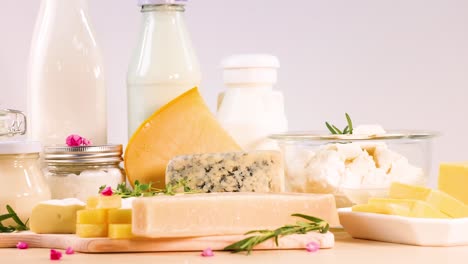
{"x":106,"y":245}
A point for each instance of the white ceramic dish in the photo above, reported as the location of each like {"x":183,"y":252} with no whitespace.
{"x":405,"y":230}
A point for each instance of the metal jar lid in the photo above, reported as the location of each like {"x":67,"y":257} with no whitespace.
{"x":56,"y":155}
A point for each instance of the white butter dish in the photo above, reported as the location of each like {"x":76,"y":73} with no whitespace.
{"x":405,"y":230}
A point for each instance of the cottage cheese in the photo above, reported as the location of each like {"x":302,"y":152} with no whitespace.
{"x":352,"y":171}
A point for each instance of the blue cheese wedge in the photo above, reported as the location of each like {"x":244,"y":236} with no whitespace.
{"x":256,"y":171}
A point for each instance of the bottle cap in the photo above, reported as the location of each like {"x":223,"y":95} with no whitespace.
{"x":250,"y":68}
{"x":161,"y":2}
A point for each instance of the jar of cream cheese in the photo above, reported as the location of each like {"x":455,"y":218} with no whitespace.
{"x":23,"y":183}
{"x":78,"y":172}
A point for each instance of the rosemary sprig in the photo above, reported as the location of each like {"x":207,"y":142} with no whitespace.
{"x":147,"y":189}
{"x":348,"y":130}
{"x":247,"y":244}
{"x":20,"y":225}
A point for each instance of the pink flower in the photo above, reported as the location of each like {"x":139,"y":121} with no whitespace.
{"x":74,"y":140}
{"x":107,"y":191}
{"x":312,"y":247}
{"x":55,"y":254}
{"x":87,"y":142}
{"x":207,"y":253}
{"x":22,"y":245}
{"x":69,"y":251}
{"x":77,"y":140}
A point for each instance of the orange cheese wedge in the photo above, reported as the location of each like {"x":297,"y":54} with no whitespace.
{"x":183,"y":126}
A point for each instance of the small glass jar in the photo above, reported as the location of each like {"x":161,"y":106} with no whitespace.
{"x":78,"y":172}
{"x":23,"y":183}
{"x":12,"y":123}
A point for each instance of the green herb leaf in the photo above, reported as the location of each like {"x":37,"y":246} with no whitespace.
{"x":15,"y":216}
{"x":20,"y":226}
{"x":247,"y":244}
{"x":350,"y":123}
{"x":5,"y":217}
{"x":348,"y":130}
{"x":147,"y":189}
{"x":338,"y":131}
{"x":332,"y":130}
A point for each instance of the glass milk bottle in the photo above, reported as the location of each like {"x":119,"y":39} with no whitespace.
{"x":250,"y":110}
{"x":66,"y":89}
{"x":164,"y":64}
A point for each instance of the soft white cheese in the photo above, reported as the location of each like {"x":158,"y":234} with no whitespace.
{"x":369,"y":130}
{"x":338,"y":168}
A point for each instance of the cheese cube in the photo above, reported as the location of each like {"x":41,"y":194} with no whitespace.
{"x":104,"y":202}
{"x":407,"y":207}
{"x":120,"y":231}
{"x":225,"y":213}
{"x":119,"y":216}
{"x":55,"y":216}
{"x":91,"y":230}
{"x":438,"y":199}
{"x":92,"y":216}
{"x":257,"y":171}
{"x":453,"y":179}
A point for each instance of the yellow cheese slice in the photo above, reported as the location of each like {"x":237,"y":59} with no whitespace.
{"x":91,"y":230}
{"x":183,"y":126}
{"x":92,"y":216}
{"x":120,"y":231}
{"x":438,"y":199}
{"x":453,"y":179}
{"x":415,"y":208}
{"x":225,"y":213}
{"x":389,"y":209}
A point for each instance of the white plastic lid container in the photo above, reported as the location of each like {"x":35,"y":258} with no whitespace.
{"x":250,"y":69}
{"x":250,"y":109}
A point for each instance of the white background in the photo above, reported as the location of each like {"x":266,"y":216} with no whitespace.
{"x":401,"y":63}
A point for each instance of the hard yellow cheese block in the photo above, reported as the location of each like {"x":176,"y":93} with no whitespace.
{"x":55,"y":216}
{"x":183,"y":126}
{"x":92,"y":216}
{"x":104,"y":202}
{"x":104,"y":219}
{"x":438,"y":199}
{"x":119,"y":216}
{"x":407,"y":207}
{"x":91,"y":230}
{"x":453,"y":179}
{"x":225,"y":213}
{"x":120,"y":231}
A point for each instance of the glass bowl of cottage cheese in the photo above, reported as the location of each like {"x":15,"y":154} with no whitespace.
{"x":355,"y":167}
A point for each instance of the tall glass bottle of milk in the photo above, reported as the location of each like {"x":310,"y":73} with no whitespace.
{"x":164,"y":64}
{"x":66,"y":89}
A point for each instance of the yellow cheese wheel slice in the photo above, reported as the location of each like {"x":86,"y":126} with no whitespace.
{"x":183,"y":126}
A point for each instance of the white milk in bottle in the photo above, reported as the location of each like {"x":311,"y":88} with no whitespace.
{"x":66,"y":90}
{"x":164,"y":64}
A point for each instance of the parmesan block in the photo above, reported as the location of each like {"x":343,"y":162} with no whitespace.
{"x":225,"y":213}
{"x":257,"y":171}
